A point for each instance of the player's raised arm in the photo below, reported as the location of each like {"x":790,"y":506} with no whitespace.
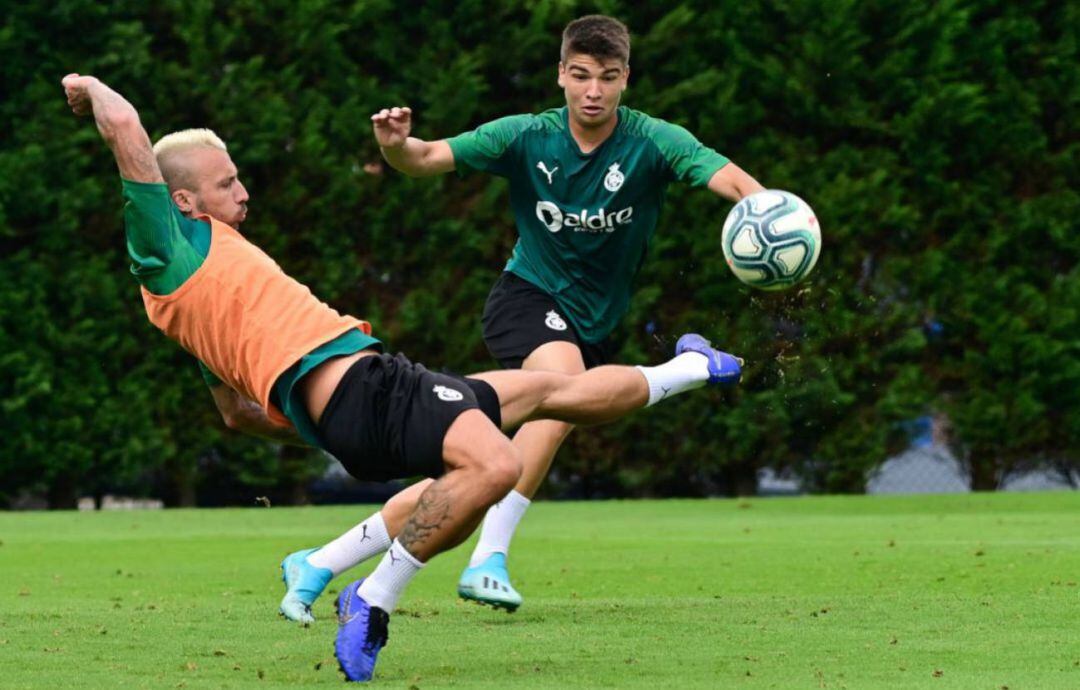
{"x":119,"y":124}
{"x":733,"y":183}
{"x":412,"y":156}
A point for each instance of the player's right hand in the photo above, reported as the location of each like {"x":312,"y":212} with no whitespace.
{"x":77,"y":90}
{"x":392,"y":126}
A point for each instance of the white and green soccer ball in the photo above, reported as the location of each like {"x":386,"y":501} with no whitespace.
{"x":771,"y":239}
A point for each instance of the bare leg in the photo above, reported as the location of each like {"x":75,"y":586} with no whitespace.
{"x":596,"y":396}
{"x":538,"y":441}
{"x":396,"y":511}
{"x":482,"y":465}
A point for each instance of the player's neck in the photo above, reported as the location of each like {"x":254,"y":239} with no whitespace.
{"x":590,"y":138}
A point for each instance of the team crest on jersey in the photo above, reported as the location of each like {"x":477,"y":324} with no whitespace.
{"x":554,"y":321}
{"x":614,"y":178}
{"x":447,"y":394}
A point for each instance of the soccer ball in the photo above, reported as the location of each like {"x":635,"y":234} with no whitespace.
{"x":771,"y":239}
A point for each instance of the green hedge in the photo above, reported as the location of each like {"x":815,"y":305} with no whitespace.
{"x":938,"y":143}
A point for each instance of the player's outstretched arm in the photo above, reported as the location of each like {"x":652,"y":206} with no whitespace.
{"x":733,"y":183}
{"x":412,"y":156}
{"x":119,"y":124}
{"x":246,"y":416}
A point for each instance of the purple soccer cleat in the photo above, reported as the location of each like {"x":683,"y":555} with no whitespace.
{"x":724,"y":369}
{"x":362,"y":632}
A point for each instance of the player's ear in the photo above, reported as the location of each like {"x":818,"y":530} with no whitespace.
{"x":562,"y":75}
{"x":184,"y":200}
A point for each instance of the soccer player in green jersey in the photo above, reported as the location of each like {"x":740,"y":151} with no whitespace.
{"x":587,"y":182}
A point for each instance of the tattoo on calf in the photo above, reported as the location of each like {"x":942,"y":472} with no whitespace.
{"x":431,"y":513}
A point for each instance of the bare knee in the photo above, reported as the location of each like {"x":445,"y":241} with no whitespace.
{"x":497,"y":471}
{"x":491,"y":463}
{"x":548,"y":386}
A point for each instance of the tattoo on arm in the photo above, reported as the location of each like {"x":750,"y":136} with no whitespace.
{"x":432,"y":512}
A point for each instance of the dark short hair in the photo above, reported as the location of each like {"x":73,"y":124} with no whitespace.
{"x":597,"y":36}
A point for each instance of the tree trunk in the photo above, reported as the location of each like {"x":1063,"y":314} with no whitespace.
{"x":984,"y":471}
{"x":62,"y":493}
{"x":179,"y":489}
{"x":739,"y":479}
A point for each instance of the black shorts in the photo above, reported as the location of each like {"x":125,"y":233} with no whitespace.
{"x":388,"y":417}
{"x":520,"y":317}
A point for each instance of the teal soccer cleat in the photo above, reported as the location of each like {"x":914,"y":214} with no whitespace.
{"x":489,"y":583}
{"x":303,"y":585}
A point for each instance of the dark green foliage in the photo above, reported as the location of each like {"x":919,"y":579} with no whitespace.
{"x":937,"y":142}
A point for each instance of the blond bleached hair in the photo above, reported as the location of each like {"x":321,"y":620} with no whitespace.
{"x":170,"y":149}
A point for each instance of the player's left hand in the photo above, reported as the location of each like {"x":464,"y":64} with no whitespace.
{"x":77,"y":90}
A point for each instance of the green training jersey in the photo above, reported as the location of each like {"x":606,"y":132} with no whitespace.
{"x":585,"y":220}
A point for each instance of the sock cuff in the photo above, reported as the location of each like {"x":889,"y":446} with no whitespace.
{"x":519,"y":498}
{"x":404,"y":553}
{"x":379,"y":524}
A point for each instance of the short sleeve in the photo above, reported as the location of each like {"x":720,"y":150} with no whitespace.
{"x":491,"y":147}
{"x":687,"y":158}
{"x":162,"y":258}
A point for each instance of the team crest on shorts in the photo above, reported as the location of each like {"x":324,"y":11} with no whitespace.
{"x":614,"y":179}
{"x":554,"y":321}
{"x":447,"y":394}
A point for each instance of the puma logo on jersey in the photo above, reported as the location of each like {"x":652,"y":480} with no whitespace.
{"x":549,"y":173}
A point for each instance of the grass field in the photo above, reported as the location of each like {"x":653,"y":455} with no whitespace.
{"x":977,"y":591}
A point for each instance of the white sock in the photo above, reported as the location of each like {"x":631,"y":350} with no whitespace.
{"x":499,"y":525}
{"x":367,"y":539}
{"x":686,"y":372}
{"x":384,"y":585}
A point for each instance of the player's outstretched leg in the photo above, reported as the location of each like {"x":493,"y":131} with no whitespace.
{"x":607,"y":393}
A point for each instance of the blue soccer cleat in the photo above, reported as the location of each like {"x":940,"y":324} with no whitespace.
{"x":489,"y":583}
{"x":303,"y":585}
{"x":723,"y":368}
{"x":362,"y":632}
